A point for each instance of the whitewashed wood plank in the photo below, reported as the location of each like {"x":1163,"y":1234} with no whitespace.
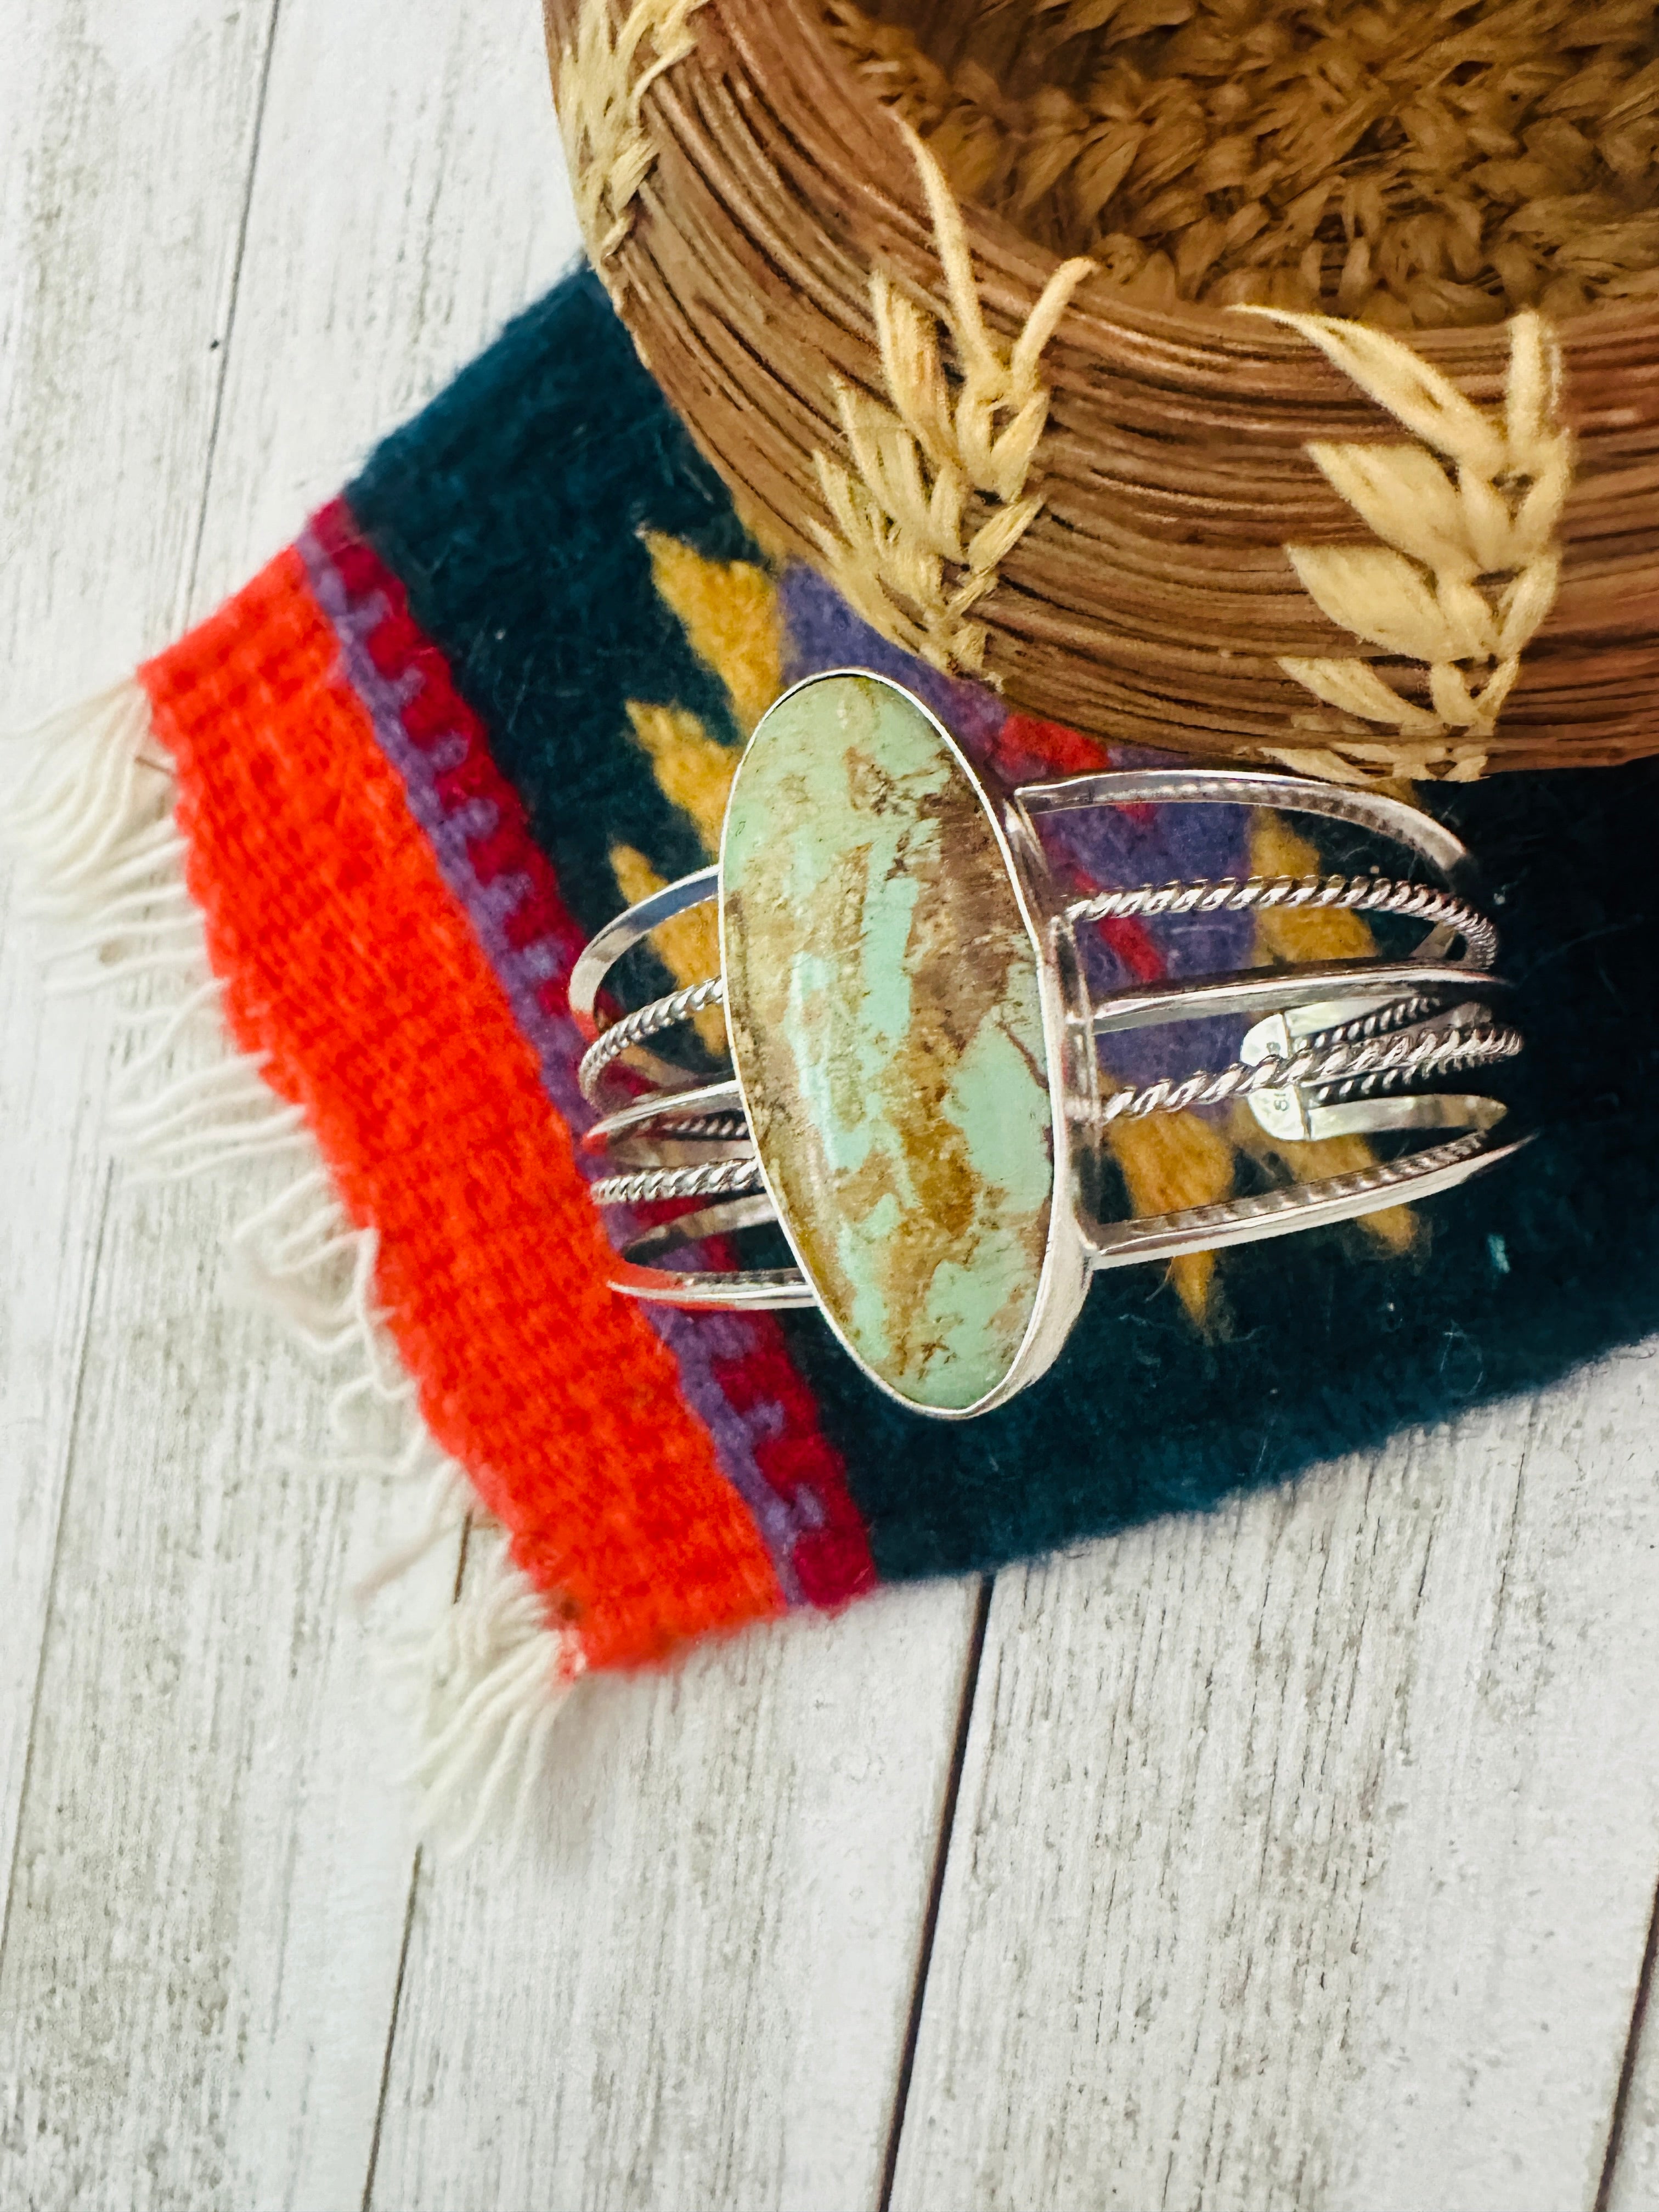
{"x":215,"y":1862}
{"x":203,"y":1938}
{"x":1631,"y":2179}
{"x":117,"y":237}
{"x":411,"y":198}
{"x":695,"y":1990}
{"x":1305,"y":1853}
{"x":51,"y":1083}
{"x":126,"y":138}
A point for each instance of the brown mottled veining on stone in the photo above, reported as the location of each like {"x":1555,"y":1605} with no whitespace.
{"x":882,"y":996}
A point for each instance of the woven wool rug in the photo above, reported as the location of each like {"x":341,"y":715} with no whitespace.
{"x":363,"y":819}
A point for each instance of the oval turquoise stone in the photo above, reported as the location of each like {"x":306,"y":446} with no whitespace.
{"x":883,"y":1002}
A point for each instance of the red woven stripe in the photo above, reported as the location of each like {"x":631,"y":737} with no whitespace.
{"x":349,"y":961}
{"x":830,"y":1560}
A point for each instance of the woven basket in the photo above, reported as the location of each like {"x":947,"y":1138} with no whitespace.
{"x":1261,"y":530}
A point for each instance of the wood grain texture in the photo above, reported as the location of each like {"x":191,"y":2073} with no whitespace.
{"x":205,"y":1924}
{"x":411,"y":197}
{"x":51,"y":1082}
{"x":117,"y":246}
{"x":1305,"y":1853}
{"x":1631,"y":2181}
{"x":695,"y":1990}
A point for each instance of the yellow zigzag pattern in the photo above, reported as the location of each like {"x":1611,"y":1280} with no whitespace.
{"x":1318,"y":934}
{"x":1170,"y":1161}
{"x":729,"y":611}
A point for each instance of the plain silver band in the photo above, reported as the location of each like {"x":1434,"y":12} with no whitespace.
{"x":601,"y":952}
{"x":1298,"y":1206}
{"x":1287,"y":794}
{"x":773,"y":1288}
{"x":694,"y":1101}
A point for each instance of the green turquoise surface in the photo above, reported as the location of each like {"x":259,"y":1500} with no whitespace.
{"x":883,"y":1001}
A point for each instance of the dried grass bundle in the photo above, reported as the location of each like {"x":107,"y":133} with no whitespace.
{"x":1412,"y":166}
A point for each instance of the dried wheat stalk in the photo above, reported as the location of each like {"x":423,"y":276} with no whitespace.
{"x":601,"y":84}
{"x":937,"y":496}
{"x":1468,"y":518}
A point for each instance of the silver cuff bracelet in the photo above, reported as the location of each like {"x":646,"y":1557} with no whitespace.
{"x":916,"y":1097}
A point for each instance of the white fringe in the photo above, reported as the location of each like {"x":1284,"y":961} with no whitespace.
{"x":493,"y":1679}
{"x":100,"y":853}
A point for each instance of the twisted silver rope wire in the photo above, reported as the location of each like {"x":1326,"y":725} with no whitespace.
{"x":1398,"y":1014}
{"x":644,"y":1022}
{"x":1373,"y":1064}
{"x":1352,"y":894}
{"x":721,"y":1178}
{"x":689,"y":1128}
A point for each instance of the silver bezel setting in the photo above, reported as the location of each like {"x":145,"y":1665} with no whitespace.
{"x":1063,"y":1278}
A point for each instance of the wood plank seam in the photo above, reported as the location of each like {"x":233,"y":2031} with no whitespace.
{"x":233,"y":294}
{"x":1638,"y":2013}
{"x":970,"y":1674}
{"x":1312,"y":1842}
{"x":83,"y":1339}
{"x":74,"y":1607}
{"x":368,"y":2198}
{"x":395,"y":2016}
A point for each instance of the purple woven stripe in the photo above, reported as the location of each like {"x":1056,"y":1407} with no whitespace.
{"x":822,"y":632}
{"x":521,"y":971}
{"x":697,"y":1342}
